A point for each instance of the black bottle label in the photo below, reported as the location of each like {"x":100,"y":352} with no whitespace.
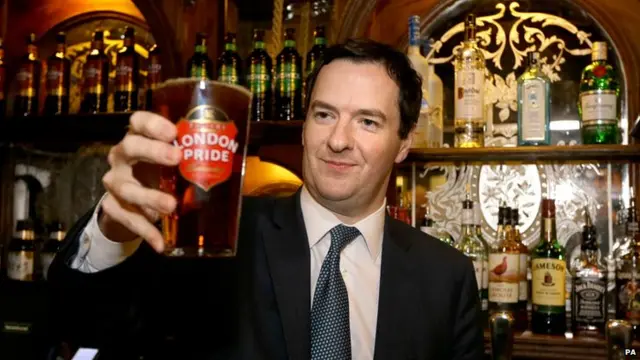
{"x":589,"y":300}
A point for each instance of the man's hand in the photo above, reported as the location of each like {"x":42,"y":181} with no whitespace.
{"x":133,"y":202}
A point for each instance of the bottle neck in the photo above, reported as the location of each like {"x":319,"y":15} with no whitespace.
{"x":32,"y":51}
{"x":258,"y":45}
{"x":549,"y":229}
{"x":470,"y":34}
{"x":57,"y":235}
{"x":60,"y":50}
{"x":201,"y":49}
{"x":468,"y":229}
{"x":230,"y":46}
{"x":289,"y":43}
{"x":590,"y":254}
{"x":25,"y":235}
{"x":320,"y":40}
{"x":97,"y":44}
{"x":128,"y":42}
{"x":413,"y":50}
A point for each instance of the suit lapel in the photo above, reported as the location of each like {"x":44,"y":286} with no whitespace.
{"x":287,"y":251}
{"x":398,"y":291}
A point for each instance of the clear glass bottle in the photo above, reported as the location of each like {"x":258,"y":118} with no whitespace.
{"x":421,"y":66}
{"x":589,"y":286}
{"x":469,"y":65}
{"x":548,"y":267}
{"x":599,"y":99}
{"x":534,"y":104}
{"x":470,"y":245}
{"x":435,"y":99}
{"x":504,"y":266}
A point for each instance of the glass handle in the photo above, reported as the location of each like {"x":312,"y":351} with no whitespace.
{"x":619,"y":334}
{"x":501,"y":326}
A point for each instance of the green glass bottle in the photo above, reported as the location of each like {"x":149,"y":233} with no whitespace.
{"x":548,"y":264}
{"x":259,"y":67}
{"x":534,"y":105}
{"x":200,"y":65}
{"x":229,"y":62}
{"x":288,"y":80}
{"x":599,"y":104}
{"x":319,"y":45}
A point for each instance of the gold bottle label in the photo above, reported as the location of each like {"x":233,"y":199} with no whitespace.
{"x":548,"y":283}
{"x":20,"y":265}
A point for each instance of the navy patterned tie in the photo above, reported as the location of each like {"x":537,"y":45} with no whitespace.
{"x":330,"y":333}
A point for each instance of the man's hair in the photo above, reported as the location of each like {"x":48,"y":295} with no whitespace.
{"x":398,"y":67}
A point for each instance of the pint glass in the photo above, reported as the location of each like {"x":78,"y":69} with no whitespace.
{"x":212,"y":122}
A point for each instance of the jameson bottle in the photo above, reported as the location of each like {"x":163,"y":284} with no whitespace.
{"x":125,"y":97}
{"x":199,"y":65}
{"x":599,"y":99}
{"x":523,"y":288}
{"x":469,"y":65}
{"x":548,"y":266}
{"x":288,"y":80}
{"x":470,"y":245}
{"x":96,"y":77}
{"x":259,"y":67}
{"x":229,"y":62}
{"x":504,"y":264}
{"x":154,"y":75}
{"x":589,"y":287}
{"x":319,"y":45}
{"x":28,"y":79}
{"x":51,"y":247}
{"x":3,"y":80}
{"x":21,"y":252}
{"x":58,"y":79}
{"x":534,"y":105}
{"x":628,"y":277}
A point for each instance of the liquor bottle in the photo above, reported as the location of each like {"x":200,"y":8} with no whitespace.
{"x":314,"y":55}
{"x":470,"y":245}
{"x":125,"y":97}
{"x":154,"y":75}
{"x":548,"y":266}
{"x":96,"y":77}
{"x":628,"y":276}
{"x":534,"y":105}
{"x":504,"y":264}
{"x":436,"y":104}
{"x":288,"y":81}
{"x":3,"y":80}
{"x":469,"y":68}
{"x":200,"y":65}
{"x":28,"y":78}
{"x":229,"y":62}
{"x":523,"y":288}
{"x":21,"y":252}
{"x":421,"y":66}
{"x":259,"y":68}
{"x":428,"y":226}
{"x":477,"y":221}
{"x":58,"y":79}
{"x":589,"y":288}
{"x":51,"y":247}
{"x":599,"y":99}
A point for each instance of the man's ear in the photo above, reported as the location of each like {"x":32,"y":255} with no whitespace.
{"x":405,"y":146}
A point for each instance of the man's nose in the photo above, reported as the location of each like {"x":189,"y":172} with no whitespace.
{"x":341,"y":137}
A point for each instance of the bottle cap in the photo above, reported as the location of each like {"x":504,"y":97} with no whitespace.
{"x":599,"y":51}
{"x":515,"y":217}
{"x":129,"y":32}
{"x":534,"y":58}
{"x":61,"y":38}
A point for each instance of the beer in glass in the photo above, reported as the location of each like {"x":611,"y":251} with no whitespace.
{"x":212,"y":123}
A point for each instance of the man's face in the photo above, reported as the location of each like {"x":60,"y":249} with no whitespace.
{"x":351,"y":137}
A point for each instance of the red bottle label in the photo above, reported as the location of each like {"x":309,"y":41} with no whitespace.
{"x":55,"y":80}
{"x":154,"y":74}
{"x":26,"y":81}
{"x":599,"y":71}
{"x":93,"y":77}
{"x":207,"y":138}
{"x":124,"y":74}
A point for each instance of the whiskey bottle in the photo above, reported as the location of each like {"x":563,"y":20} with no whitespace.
{"x":470,"y":245}
{"x":58,"y":79}
{"x":259,"y":67}
{"x":599,"y":99}
{"x":421,"y":66}
{"x":125,"y":97}
{"x":3,"y":80}
{"x":51,"y":247}
{"x":21,"y":252}
{"x":628,"y":276}
{"x":288,"y":81}
{"x":469,"y":65}
{"x":28,"y":78}
{"x":589,"y":288}
{"x":200,"y":65}
{"x":154,"y":75}
{"x":534,"y":104}
{"x":229,"y":62}
{"x":96,"y":77}
{"x":484,"y":289}
{"x":504,"y":264}
{"x":523,"y":288}
{"x":548,"y":266}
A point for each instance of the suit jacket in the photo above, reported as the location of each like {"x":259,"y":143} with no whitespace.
{"x":257,"y":305}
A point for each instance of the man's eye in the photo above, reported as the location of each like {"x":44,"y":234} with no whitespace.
{"x":321,"y":115}
{"x":369,"y":123}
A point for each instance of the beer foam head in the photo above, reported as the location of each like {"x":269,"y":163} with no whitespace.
{"x":203,"y":83}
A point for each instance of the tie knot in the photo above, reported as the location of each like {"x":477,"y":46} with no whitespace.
{"x":341,"y":235}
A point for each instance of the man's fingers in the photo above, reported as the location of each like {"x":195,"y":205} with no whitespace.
{"x":134,"y":221}
{"x":152,"y":126}
{"x":136,"y":148}
{"x":131,"y":192}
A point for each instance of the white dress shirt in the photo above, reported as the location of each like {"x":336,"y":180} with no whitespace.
{"x":359,"y":263}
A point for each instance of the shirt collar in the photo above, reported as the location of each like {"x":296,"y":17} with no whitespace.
{"x":319,"y":221}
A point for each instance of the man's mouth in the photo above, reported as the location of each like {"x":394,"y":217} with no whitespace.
{"x":339,"y":165}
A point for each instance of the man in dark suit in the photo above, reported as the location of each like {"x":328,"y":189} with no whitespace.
{"x":323,"y":274}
